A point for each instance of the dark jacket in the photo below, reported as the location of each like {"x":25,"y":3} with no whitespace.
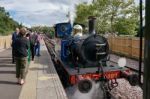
{"x":14,"y":37}
{"x":33,"y":39}
{"x":21,"y":46}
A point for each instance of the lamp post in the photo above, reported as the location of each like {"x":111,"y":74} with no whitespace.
{"x":146,"y":87}
{"x":141,"y":44}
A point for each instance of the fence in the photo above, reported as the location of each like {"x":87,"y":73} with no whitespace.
{"x":127,"y":46}
{"x":5,"y":42}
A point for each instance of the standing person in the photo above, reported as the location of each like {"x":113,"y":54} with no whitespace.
{"x":77,"y":34}
{"x":37,"y":47}
{"x":14,"y":37}
{"x":29,"y":50}
{"x":32,"y":44}
{"x":21,"y":53}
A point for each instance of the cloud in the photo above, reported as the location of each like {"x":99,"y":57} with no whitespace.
{"x":65,"y":2}
{"x":40,"y":12}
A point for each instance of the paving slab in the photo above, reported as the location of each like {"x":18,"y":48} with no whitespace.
{"x":9,"y":89}
{"x":42,"y":81}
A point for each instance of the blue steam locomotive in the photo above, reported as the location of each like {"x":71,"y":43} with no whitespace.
{"x":83,"y":58}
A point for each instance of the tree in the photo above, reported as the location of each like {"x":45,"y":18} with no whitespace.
{"x":44,"y":29}
{"x":125,"y":26}
{"x":83,"y":12}
{"x":112,"y":15}
{"x":7,"y":24}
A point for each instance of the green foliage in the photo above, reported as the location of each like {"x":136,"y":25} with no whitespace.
{"x":44,"y":29}
{"x":7,"y":24}
{"x":83,"y":11}
{"x":120,"y":16}
{"x":125,"y":26}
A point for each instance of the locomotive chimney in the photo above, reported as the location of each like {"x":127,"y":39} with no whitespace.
{"x":91,"y":24}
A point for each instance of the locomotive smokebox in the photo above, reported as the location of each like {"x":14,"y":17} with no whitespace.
{"x":92,"y":21}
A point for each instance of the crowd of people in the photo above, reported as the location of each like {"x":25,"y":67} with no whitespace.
{"x":25,"y":43}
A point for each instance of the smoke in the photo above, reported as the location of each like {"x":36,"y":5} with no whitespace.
{"x":122,"y":62}
{"x":72,"y":8}
{"x":72,"y":18}
{"x":72,"y":12}
{"x":95,"y":93}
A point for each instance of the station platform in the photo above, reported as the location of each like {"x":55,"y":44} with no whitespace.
{"x":42,"y":81}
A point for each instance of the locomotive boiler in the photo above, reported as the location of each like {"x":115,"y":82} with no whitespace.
{"x":89,"y":51}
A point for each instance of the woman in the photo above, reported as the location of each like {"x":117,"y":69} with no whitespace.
{"x":29,"y":49}
{"x":21,"y":53}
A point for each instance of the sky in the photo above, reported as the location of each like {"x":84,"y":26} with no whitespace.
{"x":41,"y":12}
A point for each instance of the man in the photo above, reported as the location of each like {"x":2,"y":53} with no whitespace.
{"x":37,"y":45}
{"x":21,"y":53}
{"x":14,"y":37}
{"x":32,"y":44}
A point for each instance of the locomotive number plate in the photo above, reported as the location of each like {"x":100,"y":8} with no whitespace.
{"x":112,"y":75}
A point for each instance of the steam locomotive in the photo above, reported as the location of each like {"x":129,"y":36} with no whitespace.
{"x":79,"y":60}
